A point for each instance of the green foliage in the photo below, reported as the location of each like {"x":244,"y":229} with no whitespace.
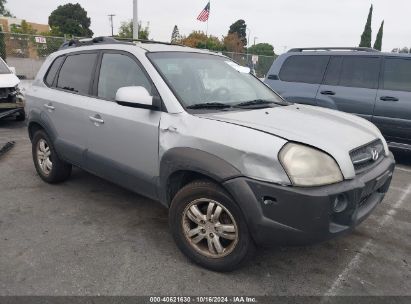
{"x":378,"y":40}
{"x":24,"y":28}
{"x":240,"y":28}
{"x":262,"y":49}
{"x":3,"y":52}
{"x":70,"y":19}
{"x":126,"y":30}
{"x":366,"y":35}
{"x":3,"y":11}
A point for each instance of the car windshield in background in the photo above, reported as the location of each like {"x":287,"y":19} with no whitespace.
{"x":4,"y":69}
{"x":203,"y":81}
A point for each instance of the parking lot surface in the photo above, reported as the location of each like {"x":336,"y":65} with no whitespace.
{"x":90,"y":237}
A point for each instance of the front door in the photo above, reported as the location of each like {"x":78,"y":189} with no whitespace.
{"x":350,"y":85}
{"x":392,"y":112}
{"x":123,"y":141}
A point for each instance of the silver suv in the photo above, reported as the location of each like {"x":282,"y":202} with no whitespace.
{"x":236,"y":165}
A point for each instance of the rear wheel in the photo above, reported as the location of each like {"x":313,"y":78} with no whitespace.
{"x":209,"y":227}
{"x":48,"y":165}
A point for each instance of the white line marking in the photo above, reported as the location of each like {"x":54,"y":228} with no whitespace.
{"x":357,"y":258}
{"x":403,"y":169}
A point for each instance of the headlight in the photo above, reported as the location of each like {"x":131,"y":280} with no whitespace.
{"x":309,"y":167}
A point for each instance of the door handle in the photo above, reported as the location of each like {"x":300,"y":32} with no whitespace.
{"x":96,"y":119}
{"x":388,"y":98}
{"x":170,"y":129}
{"x":327,"y":93}
{"x":49,"y":107}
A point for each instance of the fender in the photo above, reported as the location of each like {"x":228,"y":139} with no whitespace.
{"x":194,"y":160}
{"x":42,"y":120}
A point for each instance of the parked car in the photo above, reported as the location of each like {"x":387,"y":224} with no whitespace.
{"x":11,"y":101}
{"x":236,"y":165}
{"x":361,"y":81}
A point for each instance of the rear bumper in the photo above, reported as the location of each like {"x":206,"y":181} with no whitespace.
{"x":296,"y":215}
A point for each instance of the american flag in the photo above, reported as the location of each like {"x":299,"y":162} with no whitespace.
{"x":205,"y":13}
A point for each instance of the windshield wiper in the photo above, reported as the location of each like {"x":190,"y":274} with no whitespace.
{"x":209,"y":105}
{"x":259,"y":103}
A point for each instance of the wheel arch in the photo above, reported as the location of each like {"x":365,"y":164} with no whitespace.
{"x":180,"y":166}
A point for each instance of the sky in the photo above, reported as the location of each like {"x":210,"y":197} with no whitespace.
{"x":283,"y":23}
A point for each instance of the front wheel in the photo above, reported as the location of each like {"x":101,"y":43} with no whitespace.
{"x":209,"y":227}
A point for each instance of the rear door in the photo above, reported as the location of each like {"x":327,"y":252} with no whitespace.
{"x":392,"y":112}
{"x":350,"y":84}
{"x":299,"y":78}
{"x":67,"y":101}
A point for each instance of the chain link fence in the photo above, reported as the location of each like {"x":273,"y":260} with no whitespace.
{"x":259,"y":64}
{"x":27,"y":52}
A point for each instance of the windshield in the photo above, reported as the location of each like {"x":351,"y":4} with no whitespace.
{"x":4,"y":69}
{"x":209,"y":79}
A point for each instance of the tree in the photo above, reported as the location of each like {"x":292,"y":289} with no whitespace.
{"x":3,"y":52}
{"x":233,"y":43}
{"x":3,"y":11}
{"x":126,"y":30}
{"x":175,"y":36}
{"x":266,"y":57}
{"x":70,"y":19}
{"x":366,"y":35}
{"x":240,"y":28}
{"x":199,"y":40}
{"x":378,"y":40}
{"x":24,"y":28}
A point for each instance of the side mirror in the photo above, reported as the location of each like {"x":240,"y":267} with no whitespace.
{"x":135,"y":97}
{"x":13,"y":70}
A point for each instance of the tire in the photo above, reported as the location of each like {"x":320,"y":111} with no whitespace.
{"x":193,"y":236}
{"x":59,"y":171}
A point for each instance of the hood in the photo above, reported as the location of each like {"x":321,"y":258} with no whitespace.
{"x":8,"y":80}
{"x":334,"y":132}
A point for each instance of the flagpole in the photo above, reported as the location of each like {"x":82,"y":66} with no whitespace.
{"x":209,"y":12}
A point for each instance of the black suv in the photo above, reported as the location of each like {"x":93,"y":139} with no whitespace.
{"x":362,"y":81}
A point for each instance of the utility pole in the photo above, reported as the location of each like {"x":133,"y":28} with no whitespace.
{"x":255,"y":38}
{"x":135,"y":19}
{"x":112,"y":24}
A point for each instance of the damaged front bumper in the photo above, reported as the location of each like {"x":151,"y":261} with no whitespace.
{"x":12,"y":105}
{"x":295,"y":216}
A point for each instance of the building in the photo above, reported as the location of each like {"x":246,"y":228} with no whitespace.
{"x":7,"y":22}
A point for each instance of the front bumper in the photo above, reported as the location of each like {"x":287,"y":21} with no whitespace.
{"x":296,"y":215}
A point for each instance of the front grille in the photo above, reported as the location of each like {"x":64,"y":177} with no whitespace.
{"x":367,"y":156}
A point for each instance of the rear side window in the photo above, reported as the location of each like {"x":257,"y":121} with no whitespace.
{"x":397,"y":74}
{"x":308,"y":69}
{"x":117,"y":71}
{"x":76,"y":73}
{"x":53,"y":71}
{"x":352,"y":71}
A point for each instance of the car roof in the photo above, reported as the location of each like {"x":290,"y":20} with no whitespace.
{"x":342,"y":52}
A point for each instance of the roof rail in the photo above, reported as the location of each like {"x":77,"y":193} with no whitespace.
{"x":359,"y":49}
{"x":149,"y":41}
{"x":90,"y":41}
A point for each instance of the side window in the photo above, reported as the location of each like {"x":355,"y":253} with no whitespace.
{"x":51,"y":74}
{"x":353,"y":71}
{"x":308,"y":69}
{"x":76,"y":74}
{"x":397,"y":74}
{"x":117,"y":71}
